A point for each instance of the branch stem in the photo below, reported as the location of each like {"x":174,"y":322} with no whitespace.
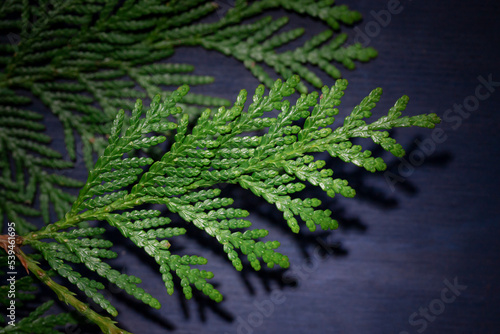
{"x":106,"y":324}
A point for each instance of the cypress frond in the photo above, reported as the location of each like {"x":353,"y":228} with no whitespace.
{"x":88,"y":62}
{"x":273,"y":165}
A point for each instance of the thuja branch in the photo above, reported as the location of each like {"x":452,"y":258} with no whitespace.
{"x":84,"y":60}
{"x":272,"y":157}
{"x":105,"y":324}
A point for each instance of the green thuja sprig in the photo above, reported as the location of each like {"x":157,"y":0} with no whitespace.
{"x":85,"y":60}
{"x":272,"y":157}
{"x":21,"y":293}
{"x":254,"y":45}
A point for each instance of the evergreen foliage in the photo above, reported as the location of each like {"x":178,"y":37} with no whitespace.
{"x":84,"y":60}
{"x":222,"y":147}
{"x":35,"y":322}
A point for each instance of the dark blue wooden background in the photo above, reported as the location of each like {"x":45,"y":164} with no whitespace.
{"x":390,"y":265}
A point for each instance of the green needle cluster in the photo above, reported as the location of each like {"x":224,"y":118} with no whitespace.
{"x":85,"y":60}
{"x":154,"y":169}
{"x":272,"y":157}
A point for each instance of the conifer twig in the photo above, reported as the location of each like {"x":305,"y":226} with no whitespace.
{"x":106,"y":324}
